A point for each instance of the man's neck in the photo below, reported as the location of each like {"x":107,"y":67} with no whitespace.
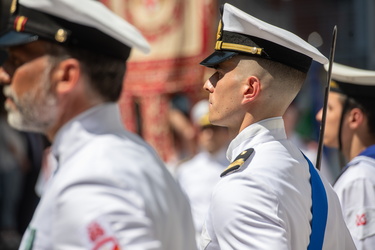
{"x":359,"y":144}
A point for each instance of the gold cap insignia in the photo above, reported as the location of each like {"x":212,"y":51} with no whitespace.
{"x":13,"y":6}
{"x":19,"y":23}
{"x":61,"y":35}
{"x":219,"y":30}
{"x":334,"y":85}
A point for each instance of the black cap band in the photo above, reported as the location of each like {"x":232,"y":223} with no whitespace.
{"x":258,"y":47}
{"x":27,"y":25}
{"x":355,"y":91}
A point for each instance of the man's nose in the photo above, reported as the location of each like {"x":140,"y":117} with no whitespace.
{"x":208,"y":86}
{"x":4,"y":76}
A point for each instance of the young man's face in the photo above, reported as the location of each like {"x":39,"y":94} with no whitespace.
{"x":225,"y":94}
{"x":31,"y":103}
{"x":332,"y":124}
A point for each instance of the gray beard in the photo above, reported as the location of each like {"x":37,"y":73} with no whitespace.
{"x":36,"y":111}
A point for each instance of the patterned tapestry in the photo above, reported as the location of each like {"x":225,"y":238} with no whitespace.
{"x":181,"y":33}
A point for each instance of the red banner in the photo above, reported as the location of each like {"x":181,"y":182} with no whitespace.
{"x":181,"y":33}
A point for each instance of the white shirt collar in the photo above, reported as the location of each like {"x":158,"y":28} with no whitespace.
{"x":100,"y":119}
{"x":262,"y":131}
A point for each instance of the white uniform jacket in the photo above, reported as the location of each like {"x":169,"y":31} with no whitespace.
{"x":110,"y":191}
{"x":356,"y":191}
{"x":266,"y":203}
{"x":198,"y":177}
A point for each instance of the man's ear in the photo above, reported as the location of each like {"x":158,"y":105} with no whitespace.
{"x":356,"y":118}
{"x":252,"y":89}
{"x":66,"y":75}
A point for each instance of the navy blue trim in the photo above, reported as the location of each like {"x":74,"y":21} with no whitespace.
{"x":319,"y":209}
{"x":369,"y":152}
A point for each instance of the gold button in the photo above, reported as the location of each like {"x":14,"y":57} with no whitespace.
{"x":61,"y":35}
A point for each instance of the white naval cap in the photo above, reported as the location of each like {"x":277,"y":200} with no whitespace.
{"x":352,"y":81}
{"x":83,"y":23}
{"x":241,"y":33}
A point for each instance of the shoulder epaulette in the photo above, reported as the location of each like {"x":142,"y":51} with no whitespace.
{"x":238,"y":162}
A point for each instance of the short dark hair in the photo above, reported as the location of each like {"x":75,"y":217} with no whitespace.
{"x":288,"y":79}
{"x":288,"y":75}
{"x":367,"y":106}
{"x":105,"y":73}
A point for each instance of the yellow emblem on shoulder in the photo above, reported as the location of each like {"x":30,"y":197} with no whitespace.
{"x":238,"y":162}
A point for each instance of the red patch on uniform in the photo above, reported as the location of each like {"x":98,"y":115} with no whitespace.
{"x":101,"y":237}
{"x":95,"y":231}
{"x":109,"y":243}
{"x":361,"y":220}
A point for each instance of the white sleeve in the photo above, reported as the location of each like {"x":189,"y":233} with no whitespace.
{"x":244,"y":215}
{"x":101,"y":216}
{"x":358,"y":204}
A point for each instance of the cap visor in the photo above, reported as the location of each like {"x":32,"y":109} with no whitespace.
{"x":218,"y":57}
{"x":13,"y":38}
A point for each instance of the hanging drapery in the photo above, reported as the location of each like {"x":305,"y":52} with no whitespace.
{"x":181,"y":34}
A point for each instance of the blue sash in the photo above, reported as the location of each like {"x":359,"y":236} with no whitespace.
{"x":319,"y":209}
{"x":369,"y":152}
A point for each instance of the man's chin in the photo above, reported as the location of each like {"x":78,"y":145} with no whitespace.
{"x":16,"y":122}
{"x":215,"y":122}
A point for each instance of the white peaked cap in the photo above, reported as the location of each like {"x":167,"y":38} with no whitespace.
{"x":87,"y":24}
{"x":346,"y":74}
{"x":241,"y":33}
{"x":353,"y":82}
{"x":94,"y":14}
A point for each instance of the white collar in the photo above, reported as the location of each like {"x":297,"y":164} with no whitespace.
{"x":100,"y":119}
{"x":260,"y":132}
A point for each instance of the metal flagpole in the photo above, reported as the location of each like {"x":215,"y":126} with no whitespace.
{"x":326,"y":92}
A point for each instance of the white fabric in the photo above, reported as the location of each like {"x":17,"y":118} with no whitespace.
{"x":266,"y":203}
{"x":352,"y":75}
{"x":356,"y":191}
{"x":198,"y":177}
{"x":93,"y":14}
{"x":236,"y":20}
{"x":310,"y":151}
{"x":109,"y":178}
